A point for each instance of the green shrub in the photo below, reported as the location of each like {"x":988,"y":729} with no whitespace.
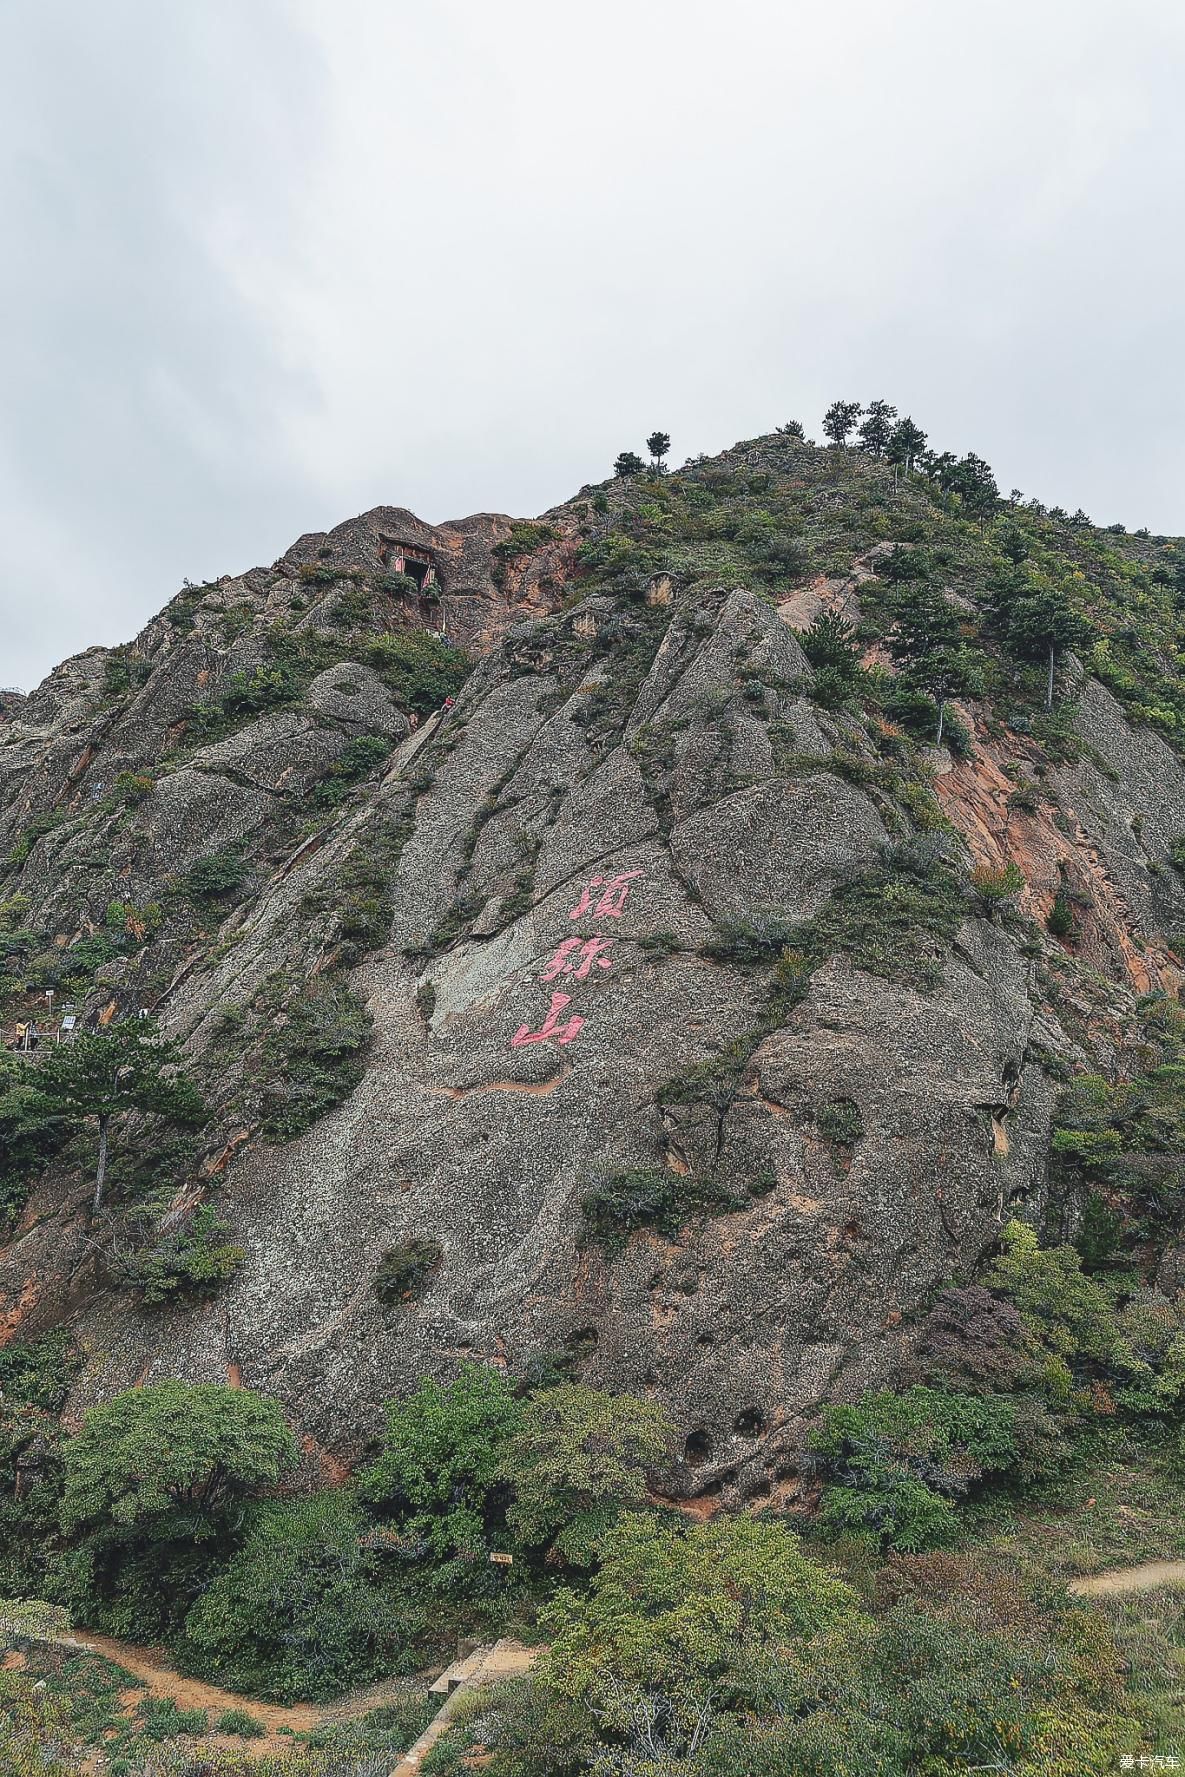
{"x":161,"y":1719}
{"x":654,"y":1197}
{"x":887,"y":919}
{"x":82,"y":961}
{"x":36,"y":1372}
{"x":1060,"y":922}
{"x":406,"y":1270}
{"x":577,"y":1458}
{"x":840,"y":1122}
{"x":299,"y":1611}
{"x":392,"y":1728}
{"x":237,"y":1721}
{"x":189,"y":1262}
{"x":420,"y":670}
{"x":993,"y":888}
{"x":361,"y":893}
{"x":524,"y":538}
{"x":893,"y":1462}
{"x":219,"y":874}
{"x":358,"y":759}
{"x":314,"y":1059}
{"x":244,"y":695}
{"x":759,"y":938}
{"x":34,"y":1731}
{"x":132,"y":787}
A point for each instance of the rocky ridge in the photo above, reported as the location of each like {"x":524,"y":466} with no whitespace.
{"x":529,"y":901}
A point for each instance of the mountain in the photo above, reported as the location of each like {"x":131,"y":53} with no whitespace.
{"x":669,"y":1010}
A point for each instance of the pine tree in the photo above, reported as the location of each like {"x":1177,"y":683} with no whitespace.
{"x":628,"y":463}
{"x":926,"y":643}
{"x":1042,"y":622}
{"x":658,"y":444}
{"x":877,"y":429}
{"x":906,"y":444}
{"x":839,"y":419}
{"x":127,"y":1068}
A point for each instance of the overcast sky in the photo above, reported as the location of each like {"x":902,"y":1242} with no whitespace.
{"x":267,"y":263}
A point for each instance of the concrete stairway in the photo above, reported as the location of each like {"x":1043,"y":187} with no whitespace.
{"x":486,"y":1665}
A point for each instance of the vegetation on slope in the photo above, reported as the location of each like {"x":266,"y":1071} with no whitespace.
{"x":900,"y":1622}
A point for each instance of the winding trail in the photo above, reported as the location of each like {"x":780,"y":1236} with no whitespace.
{"x":149,"y":1668}
{"x":1117,"y":1582}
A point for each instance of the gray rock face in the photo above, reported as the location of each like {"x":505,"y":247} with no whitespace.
{"x":620,"y":784}
{"x":521,"y":1060}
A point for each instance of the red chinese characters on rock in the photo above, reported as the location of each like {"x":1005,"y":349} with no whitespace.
{"x":610,"y":903}
{"x":552,"y":1028}
{"x":578,"y":957}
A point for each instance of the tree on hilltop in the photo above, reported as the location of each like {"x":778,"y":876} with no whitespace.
{"x":839,"y":419}
{"x":658,"y":444}
{"x":628,"y":463}
{"x":877,"y":428}
{"x":906,"y":444}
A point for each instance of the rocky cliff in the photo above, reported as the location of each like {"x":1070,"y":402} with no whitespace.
{"x":652,"y":1014}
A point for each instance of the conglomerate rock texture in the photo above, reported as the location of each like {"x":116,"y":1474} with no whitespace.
{"x":609,"y":792}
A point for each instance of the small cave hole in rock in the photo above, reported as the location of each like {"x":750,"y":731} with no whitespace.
{"x":698,"y":1448}
{"x":750,"y":1423}
{"x":715,"y":1487}
{"x":582,"y":1343}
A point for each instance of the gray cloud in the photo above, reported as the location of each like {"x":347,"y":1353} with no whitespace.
{"x":276,"y":262}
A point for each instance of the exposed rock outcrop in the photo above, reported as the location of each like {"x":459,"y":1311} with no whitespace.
{"x":549,"y":869}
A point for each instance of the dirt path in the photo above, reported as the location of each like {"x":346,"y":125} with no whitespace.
{"x":150,"y":1668}
{"x":1120,"y":1580}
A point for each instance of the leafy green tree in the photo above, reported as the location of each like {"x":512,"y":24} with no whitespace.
{"x":674,"y":1615}
{"x":971,"y":479}
{"x":658,"y":444}
{"x":1013,"y":543}
{"x":441,"y":1461}
{"x":194,"y":1445}
{"x":927,"y":645}
{"x":839,"y":419}
{"x":905,"y":565}
{"x":830,"y":641}
{"x":153,"y":1496}
{"x":792,"y":429}
{"x":1044,"y":622}
{"x":30,"y":1132}
{"x":877,"y":427}
{"x":126,"y":1068}
{"x":300,"y":1611}
{"x":894,"y":1462}
{"x":577,"y":1458}
{"x":628,"y":463}
{"x":1072,"y":1315}
{"x":906,"y":444}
